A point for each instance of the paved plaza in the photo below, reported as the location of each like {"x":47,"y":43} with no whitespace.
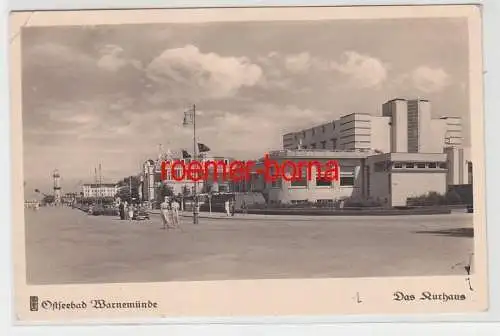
{"x":65,"y":245}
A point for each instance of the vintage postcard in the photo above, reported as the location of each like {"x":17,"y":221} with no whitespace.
{"x":247,"y":162}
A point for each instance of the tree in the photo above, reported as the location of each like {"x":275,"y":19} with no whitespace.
{"x":124,"y":187}
{"x":48,"y":199}
{"x":185,"y":191}
{"x":164,"y":191}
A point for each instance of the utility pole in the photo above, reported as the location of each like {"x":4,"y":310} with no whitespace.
{"x":96,"y":185}
{"x":130,"y":187}
{"x":100,"y":184}
{"x":195,"y":145}
{"x":192,"y":113}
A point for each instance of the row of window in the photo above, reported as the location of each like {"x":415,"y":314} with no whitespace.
{"x":313,"y":130}
{"x":344,"y":181}
{"x":384,"y":166}
{"x":322,"y":145}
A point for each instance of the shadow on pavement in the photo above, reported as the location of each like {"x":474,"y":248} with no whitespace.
{"x":461,"y":232}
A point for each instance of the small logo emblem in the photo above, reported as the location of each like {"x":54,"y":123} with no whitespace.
{"x":33,"y":303}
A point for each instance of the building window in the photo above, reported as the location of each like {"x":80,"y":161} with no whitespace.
{"x":334,"y":143}
{"x":323,"y":144}
{"x":302,"y":181}
{"x":469,"y":167}
{"x":323,"y":128}
{"x":347,"y":181}
{"x":420,"y":165}
{"x":303,"y":134}
{"x":442,"y":165}
{"x":398,"y":165}
{"x":313,"y":146}
{"x":410,"y":165}
{"x":322,"y":182}
{"x":432,"y":165}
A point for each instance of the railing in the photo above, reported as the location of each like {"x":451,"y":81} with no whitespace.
{"x":320,"y":152}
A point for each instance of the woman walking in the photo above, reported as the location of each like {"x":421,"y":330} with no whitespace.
{"x":165,"y":213}
{"x":130,"y":212}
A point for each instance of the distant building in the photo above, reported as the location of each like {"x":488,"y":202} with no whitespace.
{"x":69,"y":197}
{"x":99,"y":190}
{"x":152,"y":176}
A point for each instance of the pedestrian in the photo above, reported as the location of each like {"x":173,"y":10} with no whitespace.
{"x":121,"y":207}
{"x":165,"y":213}
{"x":226,"y":207}
{"x":125,"y":208}
{"x":233,"y":207}
{"x":175,"y":212}
{"x":130,"y":212}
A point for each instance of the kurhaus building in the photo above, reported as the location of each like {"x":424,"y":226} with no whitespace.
{"x":403,"y":153}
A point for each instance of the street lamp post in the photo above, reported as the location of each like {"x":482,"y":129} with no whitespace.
{"x":192,"y":114}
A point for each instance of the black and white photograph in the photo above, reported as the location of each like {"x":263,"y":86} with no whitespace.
{"x":118,"y":118}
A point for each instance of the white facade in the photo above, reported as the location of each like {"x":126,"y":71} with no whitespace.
{"x":388,"y":178}
{"x":460,"y":165}
{"x":148,"y":181}
{"x":99,"y":190}
{"x":405,"y":126}
{"x":394,"y":177}
{"x":350,"y":132}
{"x":350,"y":184}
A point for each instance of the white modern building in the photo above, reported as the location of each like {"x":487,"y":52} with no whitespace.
{"x":403,"y":153}
{"x":310,"y":189}
{"x":405,"y":126}
{"x":388,"y":178}
{"x":94,"y":190}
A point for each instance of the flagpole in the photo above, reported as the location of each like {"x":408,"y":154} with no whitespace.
{"x":195,"y":193}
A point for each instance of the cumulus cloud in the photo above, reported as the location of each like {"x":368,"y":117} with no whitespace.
{"x":363,"y":70}
{"x":210,"y":75}
{"x":358,"y":70}
{"x":113,"y":59}
{"x":298,"y":63}
{"x":429,"y":79}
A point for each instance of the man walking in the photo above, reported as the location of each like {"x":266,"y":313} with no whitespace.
{"x":233,"y":206}
{"x":121,"y":207}
{"x":165,"y":213}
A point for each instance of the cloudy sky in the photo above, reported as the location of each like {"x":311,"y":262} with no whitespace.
{"x":111,"y":94}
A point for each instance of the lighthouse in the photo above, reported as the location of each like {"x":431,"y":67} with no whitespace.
{"x":57,"y":187}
